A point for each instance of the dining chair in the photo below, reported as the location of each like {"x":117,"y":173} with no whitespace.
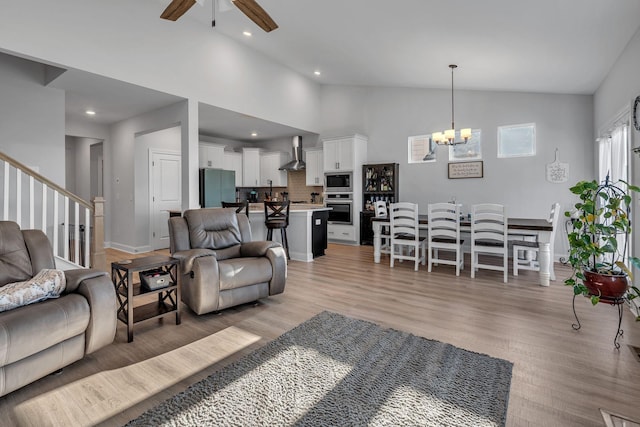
{"x":405,"y":232}
{"x":489,"y":237}
{"x":382,"y":211}
{"x":444,"y":234}
{"x":532,"y":249}
{"x":240,"y":206}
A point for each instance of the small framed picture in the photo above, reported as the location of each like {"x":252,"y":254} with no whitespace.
{"x":460,"y":170}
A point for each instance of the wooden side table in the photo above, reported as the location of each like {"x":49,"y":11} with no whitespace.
{"x":128,"y":291}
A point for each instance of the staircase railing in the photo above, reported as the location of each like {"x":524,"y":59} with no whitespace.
{"x":35,"y":202}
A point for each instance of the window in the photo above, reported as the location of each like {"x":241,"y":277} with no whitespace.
{"x":472,"y":150}
{"x":517,"y":140}
{"x":421,"y":149}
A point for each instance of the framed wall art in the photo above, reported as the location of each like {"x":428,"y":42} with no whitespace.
{"x":460,"y":170}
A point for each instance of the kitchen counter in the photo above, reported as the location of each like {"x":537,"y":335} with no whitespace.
{"x":293,"y":207}
{"x":299,"y":232}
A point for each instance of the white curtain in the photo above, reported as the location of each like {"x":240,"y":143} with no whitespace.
{"x":613,"y":153}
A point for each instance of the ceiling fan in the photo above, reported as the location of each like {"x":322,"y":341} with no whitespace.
{"x":251,"y":8}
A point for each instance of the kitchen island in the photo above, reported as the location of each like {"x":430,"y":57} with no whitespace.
{"x":306,"y":221}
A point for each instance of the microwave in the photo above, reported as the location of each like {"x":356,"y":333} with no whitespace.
{"x":338,"y":182}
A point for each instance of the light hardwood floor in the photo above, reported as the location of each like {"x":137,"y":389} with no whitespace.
{"x":560,"y":377}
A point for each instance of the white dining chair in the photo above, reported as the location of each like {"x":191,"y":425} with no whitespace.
{"x":385,"y":235}
{"x":531,"y":250}
{"x":489,"y":237}
{"x":405,"y":232}
{"x":444,"y":234}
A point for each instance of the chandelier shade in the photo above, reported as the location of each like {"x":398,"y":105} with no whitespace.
{"x":448,"y":137}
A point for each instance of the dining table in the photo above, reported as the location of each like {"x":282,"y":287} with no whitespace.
{"x":541,"y":228}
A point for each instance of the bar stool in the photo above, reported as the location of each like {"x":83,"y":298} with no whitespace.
{"x":240,"y":206}
{"x":276,"y":216}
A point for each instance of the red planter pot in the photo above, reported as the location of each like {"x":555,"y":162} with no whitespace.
{"x":609,"y":287}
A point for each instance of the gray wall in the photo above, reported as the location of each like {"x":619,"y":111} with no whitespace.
{"x":165,"y":140}
{"x":388,"y":116}
{"x":78,"y":165}
{"x":617,"y":92}
{"x":31,"y":118}
{"x":126,"y":216}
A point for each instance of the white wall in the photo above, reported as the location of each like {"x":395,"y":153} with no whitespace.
{"x":31,"y":118}
{"x":126,"y":40}
{"x":388,"y":116}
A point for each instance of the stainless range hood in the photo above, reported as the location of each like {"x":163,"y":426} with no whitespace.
{"x":296,"y":164}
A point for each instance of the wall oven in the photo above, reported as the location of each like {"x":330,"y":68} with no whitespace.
{"x":338,"y":182}
{"x":341,"y":205}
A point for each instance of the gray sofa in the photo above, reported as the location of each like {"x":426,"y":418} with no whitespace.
{"x":45,"y":336}
{"x":221,"y":267}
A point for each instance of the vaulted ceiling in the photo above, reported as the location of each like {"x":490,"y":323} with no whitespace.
{"x":546,"y":46}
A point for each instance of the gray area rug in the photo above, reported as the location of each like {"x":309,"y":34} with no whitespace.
{"x":336,"y":371}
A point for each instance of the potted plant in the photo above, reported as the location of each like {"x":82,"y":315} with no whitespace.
{"x":598,"y":243}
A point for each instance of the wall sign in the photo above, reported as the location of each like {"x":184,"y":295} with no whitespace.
{"x":465,"y":170}
{"x":557,"y":172}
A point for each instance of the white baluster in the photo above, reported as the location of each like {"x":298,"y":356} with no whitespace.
{"x":19,"y":197}
{"x":44,"y":208}
{"x":5,"y":213}
{"x":32,"y":218}
{"x":76,"y":234}
{"x":87,"y":237}
{"x":55,"y":222}
{"x":65,"y":233}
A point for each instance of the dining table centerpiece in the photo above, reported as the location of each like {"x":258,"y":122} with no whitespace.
{"x":599,"y":243}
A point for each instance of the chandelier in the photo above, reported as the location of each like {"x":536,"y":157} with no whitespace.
{"x":448,"y":137}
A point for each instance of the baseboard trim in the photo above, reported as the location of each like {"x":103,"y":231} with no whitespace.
{"x":130,"y":249}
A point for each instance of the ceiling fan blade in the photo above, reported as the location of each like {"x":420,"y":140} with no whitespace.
{"x":256,"y":13}
{"x":176,"y":9}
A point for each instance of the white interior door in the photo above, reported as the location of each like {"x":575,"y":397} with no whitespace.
{"x":165,"y":195}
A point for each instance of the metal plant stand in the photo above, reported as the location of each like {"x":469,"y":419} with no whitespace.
{"x":618,"y":302}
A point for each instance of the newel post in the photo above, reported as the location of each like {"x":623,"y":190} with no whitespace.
{"x":98,"y":256}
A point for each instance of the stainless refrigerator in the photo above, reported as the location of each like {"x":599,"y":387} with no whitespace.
{"x":216,"y":186}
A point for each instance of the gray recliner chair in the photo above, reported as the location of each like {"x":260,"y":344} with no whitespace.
{"x":43,"y":337}
{"x":220,"y":266}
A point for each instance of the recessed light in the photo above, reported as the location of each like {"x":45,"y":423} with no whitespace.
{"x":317,"y":72}
{"x":254,"y":133}
{"x":90,"y":112}
{"x":247,"y":33}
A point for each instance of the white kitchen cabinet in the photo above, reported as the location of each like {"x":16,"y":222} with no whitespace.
{"x":346,"y":233}
{"x":345,"y":153}
{"x":233,"y":161}
{"x":270,"y":163}
{"x":250,"y":167}
{"x":211,"y":155}
{"x":315,"y":167}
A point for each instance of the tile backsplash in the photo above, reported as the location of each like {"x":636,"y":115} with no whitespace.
{"x":297,"y":189}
